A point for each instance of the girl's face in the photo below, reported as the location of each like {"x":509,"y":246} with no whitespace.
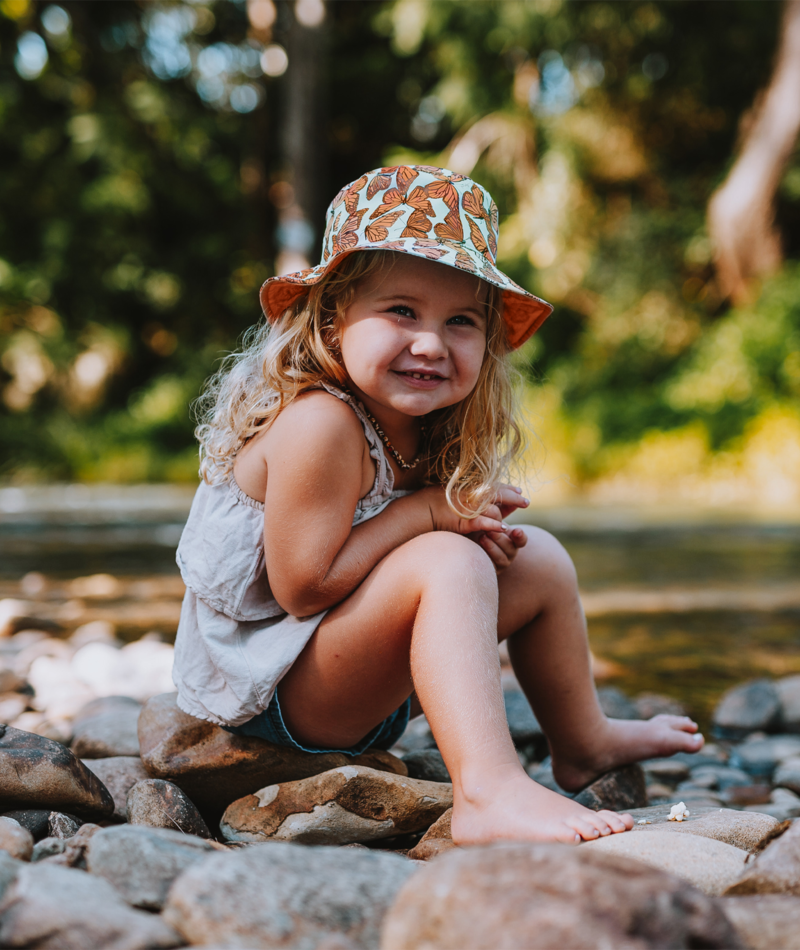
{"x":414,"y":337}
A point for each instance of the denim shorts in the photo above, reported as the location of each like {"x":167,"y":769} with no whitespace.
{"x":269,"y":725}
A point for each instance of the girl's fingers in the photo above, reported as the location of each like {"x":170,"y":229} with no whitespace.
{"x":482,"y":523}
{"x":499,"y":558}
{"x":510,"y":497}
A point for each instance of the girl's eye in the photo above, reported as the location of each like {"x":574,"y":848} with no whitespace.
{"x":402,"y":310}
{"x":462,"y":321}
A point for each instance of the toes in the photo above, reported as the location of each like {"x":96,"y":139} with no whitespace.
{"x":617,"y":823}
{"x":585,"y":829}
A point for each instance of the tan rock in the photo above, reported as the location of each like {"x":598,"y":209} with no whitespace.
{"x":346,"y":804}
{"x":436,"y":840}
{"x":545,"y":896}
{"x":765,"y":921}
{"x":39,"y":773}
{"x":215,"y":767}
{"x":710,"y":865}
{"x":742,"y":829}
{"x":776,"y":870}
{"x":15,"y":840}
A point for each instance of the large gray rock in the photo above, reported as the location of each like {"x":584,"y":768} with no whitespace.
{"x":142,"y":862}
{"x":742,"y":829}
{"x":708,"y":864}
{"x":38,"y":772}
{"x":111,"y":730}
{"x":287,"y":896}
{"x":543,"y":896}
{"x":776,"y":870}
{"x":15,"y":840}
{"x":746,"y":708}
{"x":766,"y":922}
{"x":57,"y":908}
{"x":119,"y":774}
{"x":160,"y":804}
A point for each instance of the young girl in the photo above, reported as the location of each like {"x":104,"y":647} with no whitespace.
{"x":346,"y":556}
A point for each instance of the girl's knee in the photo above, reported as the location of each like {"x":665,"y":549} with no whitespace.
{"x":545,"y":555}
{"x":445,"y":553}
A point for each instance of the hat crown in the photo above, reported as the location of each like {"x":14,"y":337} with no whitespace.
{"x":428,"y":211}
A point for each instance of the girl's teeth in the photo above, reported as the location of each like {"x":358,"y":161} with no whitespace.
{"x":420,"y":376}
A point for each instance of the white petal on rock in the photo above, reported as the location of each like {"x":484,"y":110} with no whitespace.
{"x":679,"y":812}
{"x":331,"y":824}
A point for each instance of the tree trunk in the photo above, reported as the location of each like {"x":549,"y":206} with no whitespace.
{"x":741,"y":213}
{"x":302,"y":139}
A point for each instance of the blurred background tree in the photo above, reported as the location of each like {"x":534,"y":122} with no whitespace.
{"x":159,"y":160}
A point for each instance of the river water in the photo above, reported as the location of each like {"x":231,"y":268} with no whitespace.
{"x":680,"y":603}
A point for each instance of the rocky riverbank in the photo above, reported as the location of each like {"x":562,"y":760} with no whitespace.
{"x":127,"y":824}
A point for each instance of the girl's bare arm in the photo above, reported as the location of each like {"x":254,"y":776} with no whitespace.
{"x":314,"y":455}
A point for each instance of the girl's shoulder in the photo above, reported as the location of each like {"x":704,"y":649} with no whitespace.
{"x":321,"y":418}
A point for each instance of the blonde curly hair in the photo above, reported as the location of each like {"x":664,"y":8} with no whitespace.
{"x":470,"y":446}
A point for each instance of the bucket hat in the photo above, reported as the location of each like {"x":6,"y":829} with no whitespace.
{"x":420,"y":210}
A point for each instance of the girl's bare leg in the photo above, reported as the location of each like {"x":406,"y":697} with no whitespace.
{"x":541,"y":614}
{"x":426,"y":617}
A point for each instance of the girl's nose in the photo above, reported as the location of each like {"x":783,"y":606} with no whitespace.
{"x":428,"y":344}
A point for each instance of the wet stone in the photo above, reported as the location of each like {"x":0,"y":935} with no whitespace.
{"x":35,"y":771}
{"x":281,"y":895}
{"x":746,"y":708}
{"x":427,"y":764}
{"x":143,"y":862}
{"x":160,"y":804}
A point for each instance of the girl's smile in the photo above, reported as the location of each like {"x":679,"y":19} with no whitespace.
{"x":414,"y":339}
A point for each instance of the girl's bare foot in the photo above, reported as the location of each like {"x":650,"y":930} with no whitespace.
{"x":620,"y":742}
{"x":513,"y":806}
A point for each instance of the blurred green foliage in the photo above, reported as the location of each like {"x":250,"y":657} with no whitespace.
{"x":138,"y":222}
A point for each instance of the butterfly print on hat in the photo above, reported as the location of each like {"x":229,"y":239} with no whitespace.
{"x":379,"y":230}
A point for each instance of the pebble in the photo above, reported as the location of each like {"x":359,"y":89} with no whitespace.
{"x":35,"y":771}
{"x":73,"y":854}
{"x":746,"y":708}
{"x":427,"y":764}
{"x":281,"y":895}
{"x":668,"y":771}
{"x":15,"y":840}
{"x":119,"y":774}
{"x":56,"y":907}
{"x":546,"y":896}
{"x":783,"y":804}
{"x":142,"y":862}
{"x":215,"y":767}
{"x":348,"y":804}
{"x":776,"y":870}
{"x":48,"y":847}
{"x":160,"y":804}
{"x":61,"y":825}
{"x":708,"y":864}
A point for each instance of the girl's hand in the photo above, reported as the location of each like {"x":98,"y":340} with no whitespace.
{"x":502,"y":547}
{"x":443,"y":518}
